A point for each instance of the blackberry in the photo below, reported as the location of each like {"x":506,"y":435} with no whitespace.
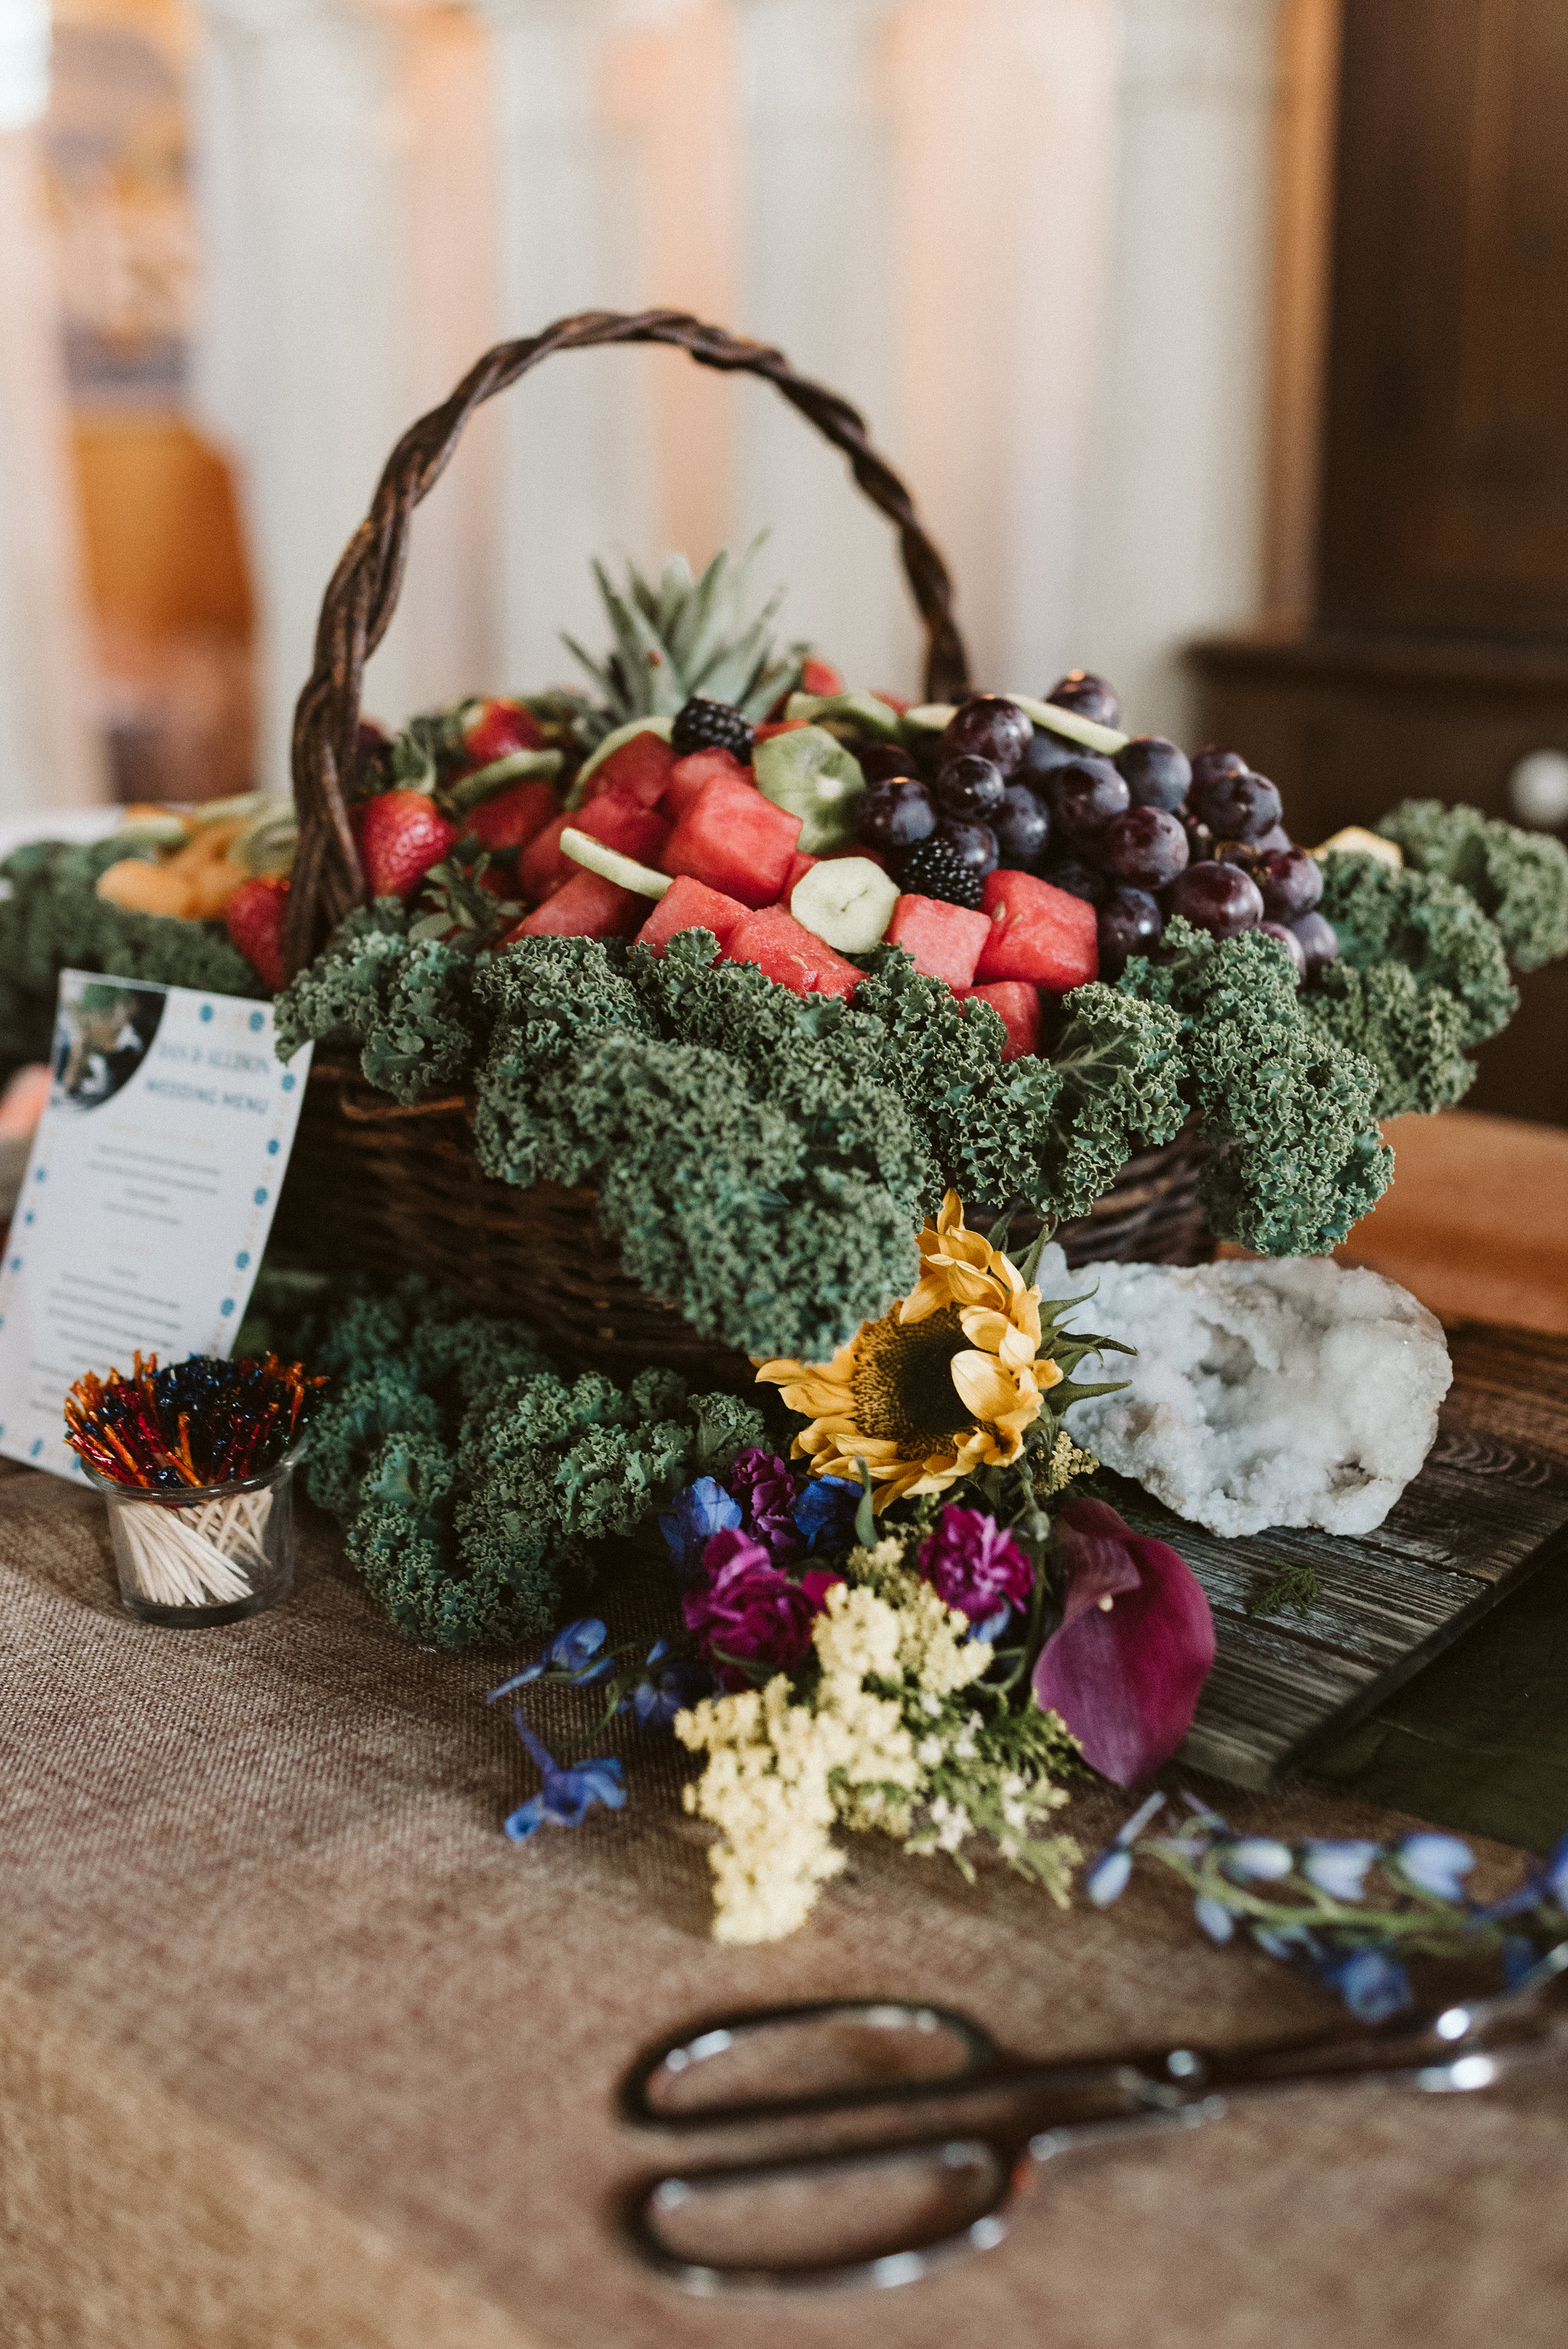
{"x":710,"y":726}
{"x":933,"y":869}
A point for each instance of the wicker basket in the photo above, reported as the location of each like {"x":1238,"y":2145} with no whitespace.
{"x":380,"y":1188}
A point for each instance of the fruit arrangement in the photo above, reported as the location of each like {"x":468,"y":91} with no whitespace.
{"x":1014,"y":848}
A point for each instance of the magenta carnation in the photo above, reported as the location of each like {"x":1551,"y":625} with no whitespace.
{"x":748,"y":1610}
{"x":765,"y":1489}
{"x":973,"y":1564}
{"x":1135,"y":1646}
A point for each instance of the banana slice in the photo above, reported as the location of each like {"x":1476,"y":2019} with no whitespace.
{"x":847,"y":902}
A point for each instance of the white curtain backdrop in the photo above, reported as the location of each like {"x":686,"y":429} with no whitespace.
{"x":1030,"y":237}
{"x":51,"y":754}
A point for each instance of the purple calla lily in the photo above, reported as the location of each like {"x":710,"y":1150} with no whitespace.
{"x":1135,"y":1645}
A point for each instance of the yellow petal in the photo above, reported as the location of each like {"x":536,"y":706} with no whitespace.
{"x":985,"y":1388}
{"x":929,"y":1295}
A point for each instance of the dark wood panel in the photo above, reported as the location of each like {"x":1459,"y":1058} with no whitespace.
{"x":1445,"y":462}
{"x":1490,"y":1506}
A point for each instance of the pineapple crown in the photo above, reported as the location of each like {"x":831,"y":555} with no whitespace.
{"x":686,"y":637}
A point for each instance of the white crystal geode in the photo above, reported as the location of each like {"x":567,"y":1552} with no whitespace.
{"x":1293,"y":1393}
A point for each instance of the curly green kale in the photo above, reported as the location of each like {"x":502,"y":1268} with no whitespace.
{"x":52,"y":919}
{"x":1519,"y":879}
{"x":1296,"y":1155}
{"x":404,"y":1004}
{"x":473,"y":1480}
{"x":1434,"y":928}
{"x":1412,"y":1035}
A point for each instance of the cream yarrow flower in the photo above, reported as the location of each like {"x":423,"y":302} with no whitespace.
{"x":945,"y":1384}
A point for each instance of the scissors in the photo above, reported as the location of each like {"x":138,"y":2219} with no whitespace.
{"x":1073,"y":2107}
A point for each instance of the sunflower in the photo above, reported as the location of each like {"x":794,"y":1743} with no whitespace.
{"x":942,"y":1384}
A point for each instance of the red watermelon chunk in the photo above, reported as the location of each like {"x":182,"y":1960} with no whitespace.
{"x":687,"y":776}
{"x":1018,"y":1006}
{"x":1038,"y":933}
{"x":799,"y":866}
{"x":587,"y":906}
{"x":511,"y":818}
{"x":734,"y":840}
{"x":618,"y":818}
{"x":642,"y":766}
{"x":784,"y":950}
{"x":686,"y":904}
{"x":944,"y":940}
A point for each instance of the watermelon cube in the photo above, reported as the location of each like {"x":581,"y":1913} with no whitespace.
{"x":799,"y":867}
{"x":586,"y":906}
{"x":617,"y":817}
{"x":944,"y":940}
{"x":766,"y":731}
{"x":1018,"y":1006}
{"x":642,"y":766}
{"x":687,"y":776}
{"x":1038,"y":934}
{"x":734,"y":841}
{"x":785,"y":951}
{"x":686,"y":904}
{"x":510,"y":818}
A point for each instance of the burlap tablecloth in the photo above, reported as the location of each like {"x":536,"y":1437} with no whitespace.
{"x":296,"y":2052}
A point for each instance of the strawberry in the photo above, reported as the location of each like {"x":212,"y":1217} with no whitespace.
{"x":494,"y":730}
{"x":255,"y":918}
{"x":400,"y":836}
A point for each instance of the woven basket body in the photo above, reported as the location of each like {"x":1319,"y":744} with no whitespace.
{"x":378,"y":1188}
{"x":373,"y":1188}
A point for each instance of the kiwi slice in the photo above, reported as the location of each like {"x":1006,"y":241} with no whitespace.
{"x":609,"y":863}
{"x":847,"y":902}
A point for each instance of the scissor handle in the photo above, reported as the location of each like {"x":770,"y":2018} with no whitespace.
{"x":673,"y":2057}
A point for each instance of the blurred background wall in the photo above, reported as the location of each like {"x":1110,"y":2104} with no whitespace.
{"x":1224,"y":343}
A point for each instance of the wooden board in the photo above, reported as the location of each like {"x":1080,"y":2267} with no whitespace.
{"x":1489,"y":1507}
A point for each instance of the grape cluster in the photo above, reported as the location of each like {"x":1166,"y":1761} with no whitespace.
{"x":1141,"y":836}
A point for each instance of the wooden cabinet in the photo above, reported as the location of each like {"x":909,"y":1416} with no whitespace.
{"x":1438,"y":654}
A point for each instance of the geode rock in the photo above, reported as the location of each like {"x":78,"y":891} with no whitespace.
{"x":1290,"y":1393}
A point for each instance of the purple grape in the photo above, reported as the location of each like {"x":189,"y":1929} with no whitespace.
{"x":1021,"y":825}
{"x":1129,"y":924}
{"x":974,"y":843}
{"x":1275,"y":837}
{"x":1316,"y":937}
{"x":1086,"y":796}
{"x":1219,"y":898}
{"x":1079,"y":880}
{"x":1292,"y":883}
{"x":1211,"y":765}
{"x":990,"y":727}
{"x":969,"y":786}
{"x":1287,"y":939}
{"x":1088,"y":695}
{"x":1199,"y":838}
{"x":881,"y":761}
{"x":1243,"y":854}
{"x":1237,"y":807}
{"x":1157,"y":773}
{"x":1044,"y":759}
{"x":1145,"y":848}
{"x":896,"y":813}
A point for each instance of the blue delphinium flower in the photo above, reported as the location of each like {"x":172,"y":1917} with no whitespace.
{"x":1107,"y":1878}
{"x":669,"y":1685}
{"x":1373,"y":1984}
{"x":1214,"y":1917}
{"x":1438,"y":1863}
{"x":569,"y":1656}
{"x":994,"y":1626}
{"x":701,"y":1511}
{"x":567,"y":1795}
{"x":1257,"y":1858}
{"x":825,"y":1512}
{"x":1338,"y":1869}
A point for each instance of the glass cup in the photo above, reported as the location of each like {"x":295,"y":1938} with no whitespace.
{"x":205,"y":1553}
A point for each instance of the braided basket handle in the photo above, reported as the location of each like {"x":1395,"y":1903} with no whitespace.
{"x":363,"y":594}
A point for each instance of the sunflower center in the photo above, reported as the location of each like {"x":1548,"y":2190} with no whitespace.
{"x":902,"y":1380}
